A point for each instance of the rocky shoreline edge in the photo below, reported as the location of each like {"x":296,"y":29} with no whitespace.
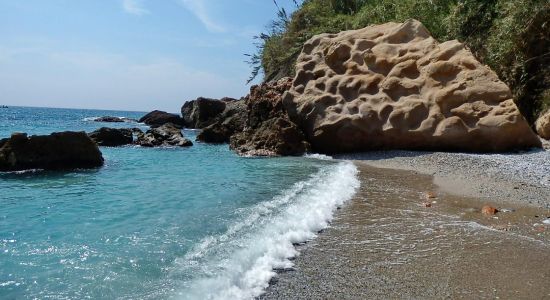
{"x":383,"y":87}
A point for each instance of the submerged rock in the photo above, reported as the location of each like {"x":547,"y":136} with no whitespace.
{"x":229,"y":122}
{"x":268,"y":130}
{"x":543,"y":125}
{"x":393,"y":86}
{"x":112,"y":137}
{"x":158,"y":118}
{"x":109,"y":119}
{"x":202,"y":112}
{"x":59,"y":150}
{"x":165,"y":135}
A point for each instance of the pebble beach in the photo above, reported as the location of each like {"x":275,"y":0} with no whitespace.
{"x":415,"y":230}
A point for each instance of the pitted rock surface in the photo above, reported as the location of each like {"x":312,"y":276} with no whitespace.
{"x":393,"y":86}
{"x":543,"y":125}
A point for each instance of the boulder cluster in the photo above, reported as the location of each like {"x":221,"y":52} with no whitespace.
{"x":268,"y":131}
{"x":389,"y":86}
{"x":165,"y":135}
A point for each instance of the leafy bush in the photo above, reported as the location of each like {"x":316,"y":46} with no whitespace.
{"x":511,"y":36}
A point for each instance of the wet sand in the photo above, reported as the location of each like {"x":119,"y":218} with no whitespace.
{"x":386,"y":244}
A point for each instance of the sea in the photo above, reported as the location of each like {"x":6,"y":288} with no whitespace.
{"x":157,"y":223}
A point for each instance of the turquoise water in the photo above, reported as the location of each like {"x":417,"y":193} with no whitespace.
{"x":170,"y":223}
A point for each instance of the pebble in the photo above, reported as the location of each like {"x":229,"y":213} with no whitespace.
{"x":489,"y":210}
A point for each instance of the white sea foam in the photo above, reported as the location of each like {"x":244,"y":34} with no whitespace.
{"x":240,"y":263}
{"x":90,"y":119}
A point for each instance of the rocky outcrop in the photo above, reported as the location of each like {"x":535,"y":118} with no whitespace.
{"x":229,"y":122}
{"x":393,"y":86}
{"x":543,"y":125}
{"x":158,"y":118}
{"x":268,"y":130}
{"x":202,"y":112}
{"x":60,"y":150}
{"x":112,"y":137}
{"x":165,"y":135}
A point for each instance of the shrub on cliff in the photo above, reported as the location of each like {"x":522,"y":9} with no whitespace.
{"x":511,"y":36}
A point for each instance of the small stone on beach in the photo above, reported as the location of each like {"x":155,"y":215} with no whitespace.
{"x":489,"y":210}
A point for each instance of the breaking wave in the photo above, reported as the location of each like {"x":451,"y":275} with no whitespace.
{"x":240,"y":263}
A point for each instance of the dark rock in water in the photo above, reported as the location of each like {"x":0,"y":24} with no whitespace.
{"x":59,"y":150}
{"x":215,"y":134}
{"x":112,"y":137}
{"x":109,"y":119}
{"x":202,"y":112}
{"x":268,"y":130}
{"x":229,"y":122}
{"x":135,"y":130}
{"x":165,"y":135}
{"x":158,"y":118}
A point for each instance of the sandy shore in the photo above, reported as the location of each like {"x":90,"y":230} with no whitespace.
{"x":386,"y":243}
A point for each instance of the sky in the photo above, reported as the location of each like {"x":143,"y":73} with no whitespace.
{"x":135,"y":55}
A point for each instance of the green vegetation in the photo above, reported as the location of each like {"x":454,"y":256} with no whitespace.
{"x":511,"y":36}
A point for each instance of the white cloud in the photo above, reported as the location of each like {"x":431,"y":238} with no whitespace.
{"x":200,"y":10}
{"x":134,"y":7}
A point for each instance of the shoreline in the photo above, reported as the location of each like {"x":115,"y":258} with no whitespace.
{"x":386,"y":244}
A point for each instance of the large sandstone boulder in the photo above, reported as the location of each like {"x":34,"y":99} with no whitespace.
{"x":393,"y":86}
{"x":163,"y":136}
{"x":229,"y":122}
{"x":112,"y":137}
{"x":158,"y":118}
{"x":60,"y":150}
{"x":268,"y":130}
{"x":202,"y":112}
{"x":543,"y":125}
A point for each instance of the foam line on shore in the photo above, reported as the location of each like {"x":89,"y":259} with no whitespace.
{"x":247,"y":254}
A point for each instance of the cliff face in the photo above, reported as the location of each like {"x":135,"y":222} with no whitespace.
{"x":393,"y":86}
